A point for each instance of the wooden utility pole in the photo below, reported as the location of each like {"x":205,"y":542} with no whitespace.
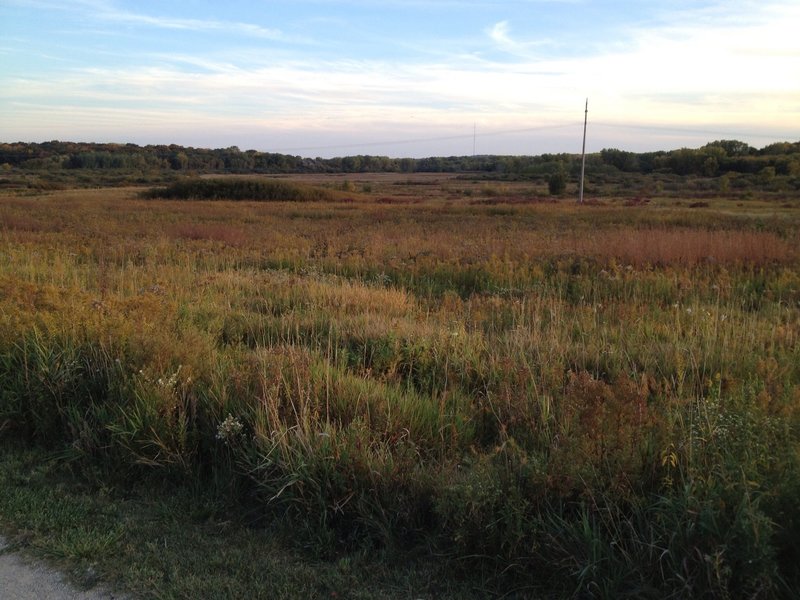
{"x":583,"y":151}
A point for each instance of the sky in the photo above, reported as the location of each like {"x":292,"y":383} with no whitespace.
{"x":401,"y":77}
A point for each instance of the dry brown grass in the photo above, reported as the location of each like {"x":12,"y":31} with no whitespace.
{"x":231,"y":235}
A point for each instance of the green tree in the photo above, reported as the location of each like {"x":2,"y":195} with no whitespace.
{"x":766,"y":175}
{"x":624,"y":161}
{"x":557,"y":182}
{"x":179,"y":161}
{"x":733,"y":147}
{"x":408,"y":165}
{"x":710,"y":166}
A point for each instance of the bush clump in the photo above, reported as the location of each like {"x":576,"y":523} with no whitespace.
{"x":258,"y":190}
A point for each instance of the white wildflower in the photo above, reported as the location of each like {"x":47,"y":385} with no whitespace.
{"x":229,"y":429}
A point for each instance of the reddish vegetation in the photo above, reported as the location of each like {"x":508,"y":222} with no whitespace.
{"x":687,"y":246}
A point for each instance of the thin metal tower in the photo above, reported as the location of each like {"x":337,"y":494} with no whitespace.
{"x":583,"y":151}
{"x":474,"y":135}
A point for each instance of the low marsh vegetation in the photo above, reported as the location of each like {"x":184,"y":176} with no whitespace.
{"x":599,"y":400}
{"x":249,"y":189}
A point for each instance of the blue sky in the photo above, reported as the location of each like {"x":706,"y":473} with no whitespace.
{"x":401,"y":78}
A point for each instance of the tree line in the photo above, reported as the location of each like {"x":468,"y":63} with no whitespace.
{"x":715,"y":159}
{"x":711,"y":160}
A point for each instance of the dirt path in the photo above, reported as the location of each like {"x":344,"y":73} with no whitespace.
{"x":22,"y":578}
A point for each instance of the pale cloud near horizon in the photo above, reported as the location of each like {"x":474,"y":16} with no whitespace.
{"x":706,"y":68}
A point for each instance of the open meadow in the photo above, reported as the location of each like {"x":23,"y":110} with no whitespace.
{"x":591,"y":400}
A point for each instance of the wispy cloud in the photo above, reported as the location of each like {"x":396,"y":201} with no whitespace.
{"x":109,"y":12}
{"x":247,"y":29}
{"x":500,"y":34}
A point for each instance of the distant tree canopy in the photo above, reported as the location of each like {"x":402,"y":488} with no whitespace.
{"x":72,"y":155}
{"x":714,"y":159}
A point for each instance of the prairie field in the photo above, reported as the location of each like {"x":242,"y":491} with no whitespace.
{"x":597,"y":400}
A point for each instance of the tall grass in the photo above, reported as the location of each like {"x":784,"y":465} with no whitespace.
{"x":567,"y":415}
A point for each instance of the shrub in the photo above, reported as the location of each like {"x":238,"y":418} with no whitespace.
{"x":257,"y":190}
{"x":557,"y":183}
